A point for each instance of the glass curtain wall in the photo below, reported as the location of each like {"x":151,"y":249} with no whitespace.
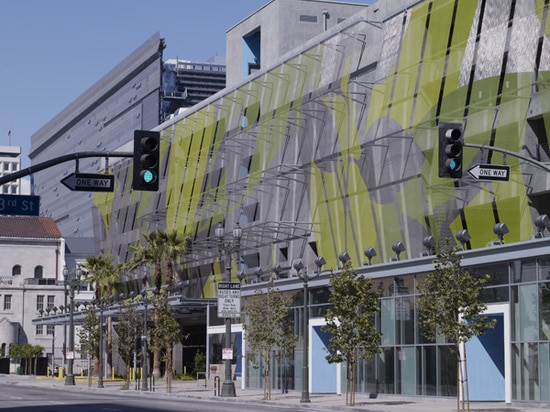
{"x":409,"y":364}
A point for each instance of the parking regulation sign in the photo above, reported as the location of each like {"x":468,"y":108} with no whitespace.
{"x":229,"y":300}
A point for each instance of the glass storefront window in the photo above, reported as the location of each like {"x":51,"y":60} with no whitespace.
{"x":544,"y":359}
{"x":544,"y":269}
{"x":525,"y":271}
{"x":499,"y":273}
{"x":387,"y":321}
{"x":528,"y":312}
{"x":429,"y":369}
{"x":447,"y":374}
{"x":386,"y":371}
{"x":544,"y":310}
{"x":495,"y":294}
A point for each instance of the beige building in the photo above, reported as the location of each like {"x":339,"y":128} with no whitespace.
{"x":32,"y":256}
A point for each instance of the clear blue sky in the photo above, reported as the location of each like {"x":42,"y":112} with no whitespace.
{"x":51,"y":51}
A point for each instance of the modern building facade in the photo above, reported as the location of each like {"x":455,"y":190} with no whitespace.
{"x":334,"y":147}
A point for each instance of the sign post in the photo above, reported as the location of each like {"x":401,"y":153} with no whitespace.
{"x":229,"y":300}
{"x":490,"y":172}
{"x":87,"y":182}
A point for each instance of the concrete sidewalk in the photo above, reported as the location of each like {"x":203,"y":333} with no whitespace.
{"x":290,"y":400}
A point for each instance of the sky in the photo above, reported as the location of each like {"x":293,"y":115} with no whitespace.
{"x":51,"y":51}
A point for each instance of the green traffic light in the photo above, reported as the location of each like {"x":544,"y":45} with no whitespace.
{"x":148,"y":176}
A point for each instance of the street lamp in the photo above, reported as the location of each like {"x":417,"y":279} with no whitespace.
{"x":225,"y":247}
{"x":100,"y":364}
{"x":144,"y":358}
{"x":302,"y":274}
{"x":71,"y":283}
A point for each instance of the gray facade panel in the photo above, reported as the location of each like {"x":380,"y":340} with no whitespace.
{"x":102,"y":119}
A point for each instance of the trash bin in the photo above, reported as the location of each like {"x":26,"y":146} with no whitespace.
{"x":19,"y":371}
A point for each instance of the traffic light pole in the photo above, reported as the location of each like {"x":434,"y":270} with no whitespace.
{"x":508,"y":152}
{"x":62,"y":159}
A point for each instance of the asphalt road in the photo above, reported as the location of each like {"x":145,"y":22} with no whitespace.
{"x":43,"y":399}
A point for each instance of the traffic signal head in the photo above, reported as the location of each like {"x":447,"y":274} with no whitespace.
{"x":146,"y":160}
{"x":451,"y":142}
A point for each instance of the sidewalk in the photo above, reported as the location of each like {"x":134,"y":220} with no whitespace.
{"x":290,"y":400}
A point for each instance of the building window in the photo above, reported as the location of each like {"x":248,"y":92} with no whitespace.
{"x":7,"y":302}
{"x":50,"y":330}
{"x":40,"y":302}
{"x":39,"y":330}
{"x":38,"y":272}
{"x":51,"y":302}
{"x":16,"y":270}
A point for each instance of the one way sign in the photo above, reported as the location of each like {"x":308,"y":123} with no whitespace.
{"x":490,"y":172}
{"x":86,"y":182}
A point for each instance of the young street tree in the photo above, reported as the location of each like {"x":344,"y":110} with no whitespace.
{"x":450,"y":306}
{"x":165,"y":334}
{"x":128,"y":329}
{"x":88,"y":335}
{"x":350,"y":323}
{"x":268,"y":331}
{"x":104,"y":274}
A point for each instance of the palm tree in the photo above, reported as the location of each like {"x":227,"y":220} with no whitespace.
{"x":176,"y":245}
{"x":162,"y":247}
{"x":103,"y":273}
{"x":152,"y":254}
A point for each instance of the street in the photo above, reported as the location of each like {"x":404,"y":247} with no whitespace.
{"x":18,"y":397}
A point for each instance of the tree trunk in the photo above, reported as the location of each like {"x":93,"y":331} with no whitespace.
{"x":267,"y":374}
{"x":110,"y":344}
{"x":168,"y":373}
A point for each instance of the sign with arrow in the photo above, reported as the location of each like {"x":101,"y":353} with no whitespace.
{"x":87,"y":182}
{"x":490,"y":172}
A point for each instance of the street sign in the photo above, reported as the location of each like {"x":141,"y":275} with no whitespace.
{"x":229,"y":300}
{"x":86,"y":182}
{"x":490,"y":172}
{"x":19,"y":205}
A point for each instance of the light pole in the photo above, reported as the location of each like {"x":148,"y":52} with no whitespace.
{"x":225,"y":247}
{"x":100,"y":364}
{"x":144,"y":358}
{"x":72,"y":283}
{"x":302,"y":274}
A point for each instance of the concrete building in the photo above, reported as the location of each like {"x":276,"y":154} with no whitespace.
{"x":10,"y":162}
{"x":260,"y":40}
{"x":100,"y":120}
{"x":186,"y":83}
{"x":137,"y":94}
{"x":335,"y":147}
{"x":31,"y":280}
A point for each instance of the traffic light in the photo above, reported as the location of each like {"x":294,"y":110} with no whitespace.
{"x":451,"y":142}
{"x":146,"y":160}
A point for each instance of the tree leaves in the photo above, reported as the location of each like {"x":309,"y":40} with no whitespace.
{"x":268,"y":330}
{"x":350,"y":322}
